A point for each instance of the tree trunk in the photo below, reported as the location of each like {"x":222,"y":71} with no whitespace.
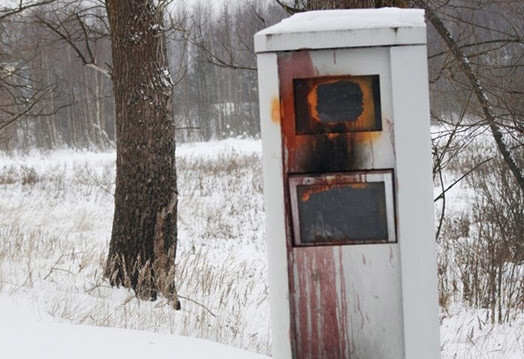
{"x":144,"y":236}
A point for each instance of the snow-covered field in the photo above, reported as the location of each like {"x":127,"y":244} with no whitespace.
{"x":55,"y":226}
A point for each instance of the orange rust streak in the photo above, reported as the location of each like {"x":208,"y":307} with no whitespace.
{"x":366,"y":137}
{"x":358,"y":185}
{"x":312,"y":100}
{"x":326,"y":187}
{"x":275,"y":110}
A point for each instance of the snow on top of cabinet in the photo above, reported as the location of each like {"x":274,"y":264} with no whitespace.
{"x":329,"y":20}
{"x":344,"y":28}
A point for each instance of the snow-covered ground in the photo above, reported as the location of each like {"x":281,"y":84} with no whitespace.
{"x":25,"y":334}
{"x":55,"y":225}
{"x":467,"y":334}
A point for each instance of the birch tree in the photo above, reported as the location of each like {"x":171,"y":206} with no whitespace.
{"x":477,"y":88}
{"x":19,"y":96}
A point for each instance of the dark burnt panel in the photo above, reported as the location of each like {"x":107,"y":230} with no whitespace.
{"x":337,"y":104}
{"x":341,"y":213}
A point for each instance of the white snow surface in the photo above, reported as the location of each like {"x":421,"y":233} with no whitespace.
{"x":26,"y":334}
{"x":55,"y":224}
{"x":356,"y":19}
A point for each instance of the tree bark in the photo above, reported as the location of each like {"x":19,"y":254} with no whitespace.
{"x":144,"y":235}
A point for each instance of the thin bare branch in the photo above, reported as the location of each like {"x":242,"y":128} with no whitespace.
{"x":478,"y":89}
{"x":7,"y":11}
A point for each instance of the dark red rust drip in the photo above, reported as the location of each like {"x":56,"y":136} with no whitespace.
{"x":319,"y":325}
{"x":322,"y":321}
{"x":344,"y":322}
{"x":291,"y":65}
{"x":303,"y":65}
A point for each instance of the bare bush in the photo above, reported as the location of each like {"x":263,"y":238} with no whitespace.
{"x":481,"y":261}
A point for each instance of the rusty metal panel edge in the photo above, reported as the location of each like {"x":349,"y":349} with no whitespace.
{"x":386,"y":175}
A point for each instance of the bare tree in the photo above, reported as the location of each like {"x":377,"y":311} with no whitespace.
{"x":477,"y":88}
{"x":480,"y":87}
{"x":20,"y":7}
{"x":144,"y":236}
{"x":20,"y":95}
{"x":81,"y":26}
{"x":81,"y":31}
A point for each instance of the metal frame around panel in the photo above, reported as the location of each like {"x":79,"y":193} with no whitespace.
{"x":385,"y":176}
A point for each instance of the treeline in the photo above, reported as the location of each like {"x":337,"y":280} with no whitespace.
{"x":489,"y":33}
{"x":214,"y":65}
{"x":62,"y":102}
{"x":55,"y":65}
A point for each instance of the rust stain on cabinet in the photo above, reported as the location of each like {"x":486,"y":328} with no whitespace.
{"x":326,"y":144}
{"x":337,"y":104}
{"x":275,"y":110}
{"x":306,"y":194}
{"x":319,"y":304}
{"x":323,"y":146}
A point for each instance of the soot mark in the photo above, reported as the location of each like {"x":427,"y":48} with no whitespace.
{"x":339,"y":101}
{"x":342,"y":212}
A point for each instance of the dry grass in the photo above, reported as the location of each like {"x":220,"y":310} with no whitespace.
{"x":55,"y":227}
